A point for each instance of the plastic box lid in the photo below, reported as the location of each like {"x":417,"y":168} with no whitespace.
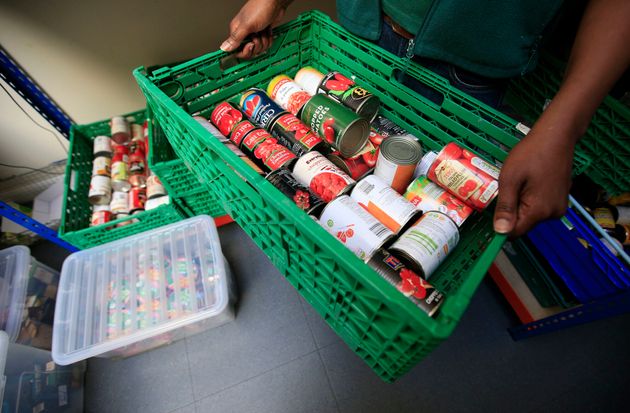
{"x":15,"y":264}
{"x":136,"y":288}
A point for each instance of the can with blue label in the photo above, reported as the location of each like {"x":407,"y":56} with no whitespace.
{"x":260,"y":108}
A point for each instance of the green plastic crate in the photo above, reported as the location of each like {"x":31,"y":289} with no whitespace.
{"x":77,"y":210}
{"x":375,"y":320}
{"x":604,"y":151}
{"x":179,"y":181}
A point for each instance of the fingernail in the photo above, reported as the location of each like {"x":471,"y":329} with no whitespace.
{"x":226,"y":46}
{"x":502,"y":226}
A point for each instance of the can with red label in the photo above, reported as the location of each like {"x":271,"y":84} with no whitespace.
{"x":120,"y":130}
{"x":286,"y":183}
{"x":336,"y":124}
{"x":228,"y":119}
{"x":309,"y":79}
{"x":288,"y":94}
{"x":102,"y":146}
{"x":137,"y":199}
{"x":345,"y":91}
{"x":427,"y":243}
{"x":357,"y":168}
{"x":385,"y":204}
{"x":397,"y":160}
{"x":295,"y":135}
{"x":121,"y":149}
{"x":137,"y":162}
{"x":102,"y":166}
{"x":100,"y":192}
{"x":464,"y":174}
{"x":265,"y":151}
{"x":259,"y":107}
{"x":323,"y":178}
{"x":100,"y":215}
{"x":155,"y":188}
{"x":427,"y":196}
{"x":119,"y":203}
{"x":120,"y":172}
{"x":414,"y":287}
{"x":359,"y":231}
{"x":138,"y":180}
{"x":211,"y":128}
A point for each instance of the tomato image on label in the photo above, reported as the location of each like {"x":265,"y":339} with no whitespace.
{"x":375,"y":137}
{"x":370,"y":157}
{"x":329,"y":130}
{"x":302,"y":199}
{"x":250,"y":105}
{"x":412,"y":285}
{"x":225,"y":117}
{"x":327,"y":185}
{"x":338,"y":83}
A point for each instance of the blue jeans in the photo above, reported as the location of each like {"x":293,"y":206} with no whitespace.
{"x":489,"y":91}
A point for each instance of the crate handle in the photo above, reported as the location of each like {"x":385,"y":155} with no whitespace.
{"x":173,"y":89}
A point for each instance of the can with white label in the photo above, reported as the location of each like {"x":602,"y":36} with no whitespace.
{"x":427,"y":196}
{"x":119,"y":203}
{"x":321,"y":176}
{"x":102,"y":146}
{"x":100,"y":192}
{"x":385,"y":204}
{"x":397,"y":160}
{"x":427,"y":243}
{"x":121,"y":133}
{"x":100,"y":215}
{"x":354,"y":227}
{"x":155,"y":188}
{"x":288,"y":94}
{"x":102,"y":166}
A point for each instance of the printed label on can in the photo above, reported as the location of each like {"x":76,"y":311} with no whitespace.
{"x":288,"y":94}
{"x":396,"y":176}
{"x":309,"y":79}
{"x":137,"y":132}
{"x":254,"y":138}
{"x":102,"y":145}
{"x":357,"y":168}
{"x":410,"y":284}
{"x":137,"y":163}
{"x":211,"y":128}
{"x":100,"y":217}
{"x":100,"y":190}
{"x":102,"y":166}
{"x":155,"y":187}
{"x":427,"y":196}
{"x":286,"y":183}
{"x":325,"y":179}
{"x":120,"y":202}
{"x":294,"y":134}
{"x":225,"y":117}
{"x":265,"y":150}
{"x":344,"y":90}
{"x":604,"y":217}
{"x":387,"y":127}
{"x":259,"y":107}
{"x":119,"y":125}
{"x":240,"y":131}
{"x":428,"y":242}
{"x":359,"y":231}
{"x":120,"y":171}
{"x":385,"y":204}
{"x":137,"y":199}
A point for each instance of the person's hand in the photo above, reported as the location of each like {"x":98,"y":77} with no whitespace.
{"x":534,"y":182}
{"x":254,"y":20}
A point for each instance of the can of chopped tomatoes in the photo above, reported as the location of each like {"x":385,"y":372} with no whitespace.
{"x":324,"y":179}
{"x":137,"y":162}
{"x":137,"y":199}
{"x":231,"y":122}
{"x":354,"y":227}
{"x":397,"y":160}
{"x":265,"y":151}
{"x":100,"y":215}
{"x":464,"y":174}
{"x":138,"y":180}
{"x":295,"y":135}
{"x":120,"y":171}
{"x":288,"y":94}
{"x":410,"y":284}
{"x":357,"y":167}
{"x":286,"y":183}
{"x":336,"y":124}
{"x":345,"y":91}
{"x":427,"y":196}
{"x":259,"y":107}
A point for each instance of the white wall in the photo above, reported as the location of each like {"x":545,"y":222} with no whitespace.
{"x":82,"y":53}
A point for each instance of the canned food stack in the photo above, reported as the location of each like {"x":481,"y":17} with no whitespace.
{"x":320,"y":140}
{"x":121,"y":183}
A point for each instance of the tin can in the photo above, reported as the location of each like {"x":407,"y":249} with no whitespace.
{"x":137,"y":145}
{"x":102,"y":146}
{"x":336,"y":124}
{"x":211,"y":128}
{"x":138,"y":180}
{"x":359,"y":231}
{"x":427,"y":243}
{"x":286,"y":183}
{"x":427,"y":196}
{"x":228,"y":119}
{"x":414,"y":287}
{"x":137,"y":133}
{"x":157,"y":202}
{"x":121,"y":149}
{"x":124,"y":223}
{"x":387,"y":127}
{"x":259,"y":107}
{"x":100,"y":215}
{"x":231,"y":146}
{"x":397,"y":160}
{"x":119,"y":203}
{"x":357,"y":168}
{"x":265,"y":151}
{"x":154,"y":187}
{"x":120,"y":130}
{"x":295,"y":135}
{"x":385,"y":204}
{"x":309,"y":79}
{"x":345,"y":91}
{"x":465,"y":175}
{"x":102,"y":166}
{"x":288,"y":94}
{"x":137,"y":199}
{"x":323,"y":178}
{"x":100,"y":192}
{"x":137,"y":162}
{"x":604,"y":217}
{"x":120,"y":172}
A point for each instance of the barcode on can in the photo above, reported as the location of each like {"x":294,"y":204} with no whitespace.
{"x":379,"y":230}
{"x":366,"y":187}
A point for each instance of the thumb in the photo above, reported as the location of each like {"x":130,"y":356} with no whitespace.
{"x":237,"y":35}
{"x":505,"y":213}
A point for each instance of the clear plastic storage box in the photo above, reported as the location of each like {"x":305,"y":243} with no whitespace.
{"x":27,"y":297}
{"x":140,"y":292}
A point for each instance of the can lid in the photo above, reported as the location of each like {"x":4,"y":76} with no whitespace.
{"x":426,"y":162}
{"x":355,"y":136}
{"x":369,"y":108}
{"x":403,"y":150}
{"x":309,"y":79}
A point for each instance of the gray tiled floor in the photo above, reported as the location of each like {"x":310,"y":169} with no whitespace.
{"x":279,"y":356}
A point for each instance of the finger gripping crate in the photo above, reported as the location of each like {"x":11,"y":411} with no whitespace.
{"x":374,"y":319}
{"x":77,"y":211}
